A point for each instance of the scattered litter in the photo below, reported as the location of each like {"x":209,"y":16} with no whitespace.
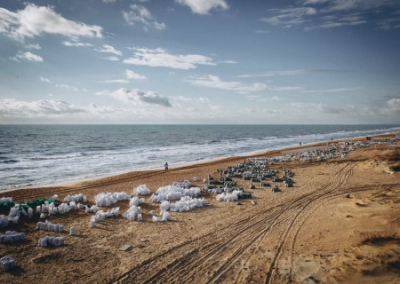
{"x":156,"y":219}
{"x":186,"y":203}
{"x":51,"y":241}
{"x":48,"y":226}
{"x":72,"y":231}
{"x":361,"y":203}
{"x":76,"y":198}
{"x":142,"y":190}
{"x":3,"y":221}
{"x":125,"y":247}
{"x":107,"y":199}
{"x":101,"y":215}
{"x":11,"y":237}
{"x":175,"y":192}
{"x":7,"y":263}
{"x":143,"y":240}
{"x":133,"y":214}
{"x":136,"y":201}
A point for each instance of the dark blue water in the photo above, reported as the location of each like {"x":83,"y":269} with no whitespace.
{"x":35,"y":155}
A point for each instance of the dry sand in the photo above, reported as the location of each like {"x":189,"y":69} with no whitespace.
{"x":338,"y":224}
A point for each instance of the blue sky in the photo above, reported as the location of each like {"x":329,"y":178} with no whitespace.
{"x":193,"y":61}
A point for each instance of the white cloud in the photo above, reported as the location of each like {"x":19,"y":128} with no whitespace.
{"x":262,"y":32}
{"x":292,"y":73}
{"x":67,"y":87}
{"x":33,"y":46}
{"x":76,"y":44}
{"x":203,"y":7}
{"x":290,"y":16}
{"x":337,"y":90}
{"x":132,"y":75}
{"x":136,"y":97}
{"x":109,"y":1}
{"x":112,"y":58}
{"x":35,"y":20}
{"x":140,"y":14}
{"x":121,"y":81}
{"x":41,"y":108}
{"x":27,"y":56}
{"x":45,"y":80}
{"x":160,"y":58}
{"x":212,"y":81}
{"x":391,"y":107}
{"x":229,"y":62}
{"x":333,"y":13}
{"x":109,"y":49}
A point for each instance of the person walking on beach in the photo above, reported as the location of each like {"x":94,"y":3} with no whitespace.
{"x":166,"y":166}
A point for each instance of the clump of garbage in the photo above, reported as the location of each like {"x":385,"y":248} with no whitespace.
{"x":136,"y":201}
{"x":164,"y":217}
{"x":107,"y":199}
{"x":142,"y":190}
{"x":48,"y":226}
{"x":175,"y":192}
{"x":233,"y":196}
{"x":11,"y":237}
{"x":7,"y":263}
{"x":133,"y":213}
{"x":76,"y":198}
{"x":102,"y":215}
{"x":186,"y":203}
{"x":51,"y":241}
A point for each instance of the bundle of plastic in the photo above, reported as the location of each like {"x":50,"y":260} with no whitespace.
{"x":101,"y":215}
{"x":13,"y":216}
{"x":73,"y":205}
{"x":92,"y":209}
{"x":77,"y":198}
{"x":45,"y":207}
{"x":54,"y":197}
{"x":142,"y":190}
{"x":52,"y":209}
{"x":186,"y":203}
{"x":11,"y":237}
{"x":184,"y":184}
{"x":7,"y":262}
{"x":107,"y":199}
{"x":216,"y":190}
{"x":3,"y":221}
{"x":133,"y":214}
{"x":136,"y":201}
{"x":5,"y":200}
{"x":164,"y":217}
{"x":228,"y":197}
{"x":63,"y":208}
{"x":51,"y":241}
{"x":172,"y":192}
{"x":48,"y":226}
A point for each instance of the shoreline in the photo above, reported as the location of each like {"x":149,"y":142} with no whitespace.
{"x":287,"y":150}
{"x":224,"y":241}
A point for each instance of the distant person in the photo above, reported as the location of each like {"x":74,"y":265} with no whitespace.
{"x":300,"y":143}
{"x":166,"y":166}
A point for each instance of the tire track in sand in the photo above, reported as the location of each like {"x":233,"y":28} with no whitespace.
{"x":223,"y":247}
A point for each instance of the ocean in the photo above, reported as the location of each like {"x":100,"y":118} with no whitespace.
{"x":39,"y":155}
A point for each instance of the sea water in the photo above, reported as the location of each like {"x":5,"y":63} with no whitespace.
{"x":38,"y":155}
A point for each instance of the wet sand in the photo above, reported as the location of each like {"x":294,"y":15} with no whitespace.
{"x":338,"y":224}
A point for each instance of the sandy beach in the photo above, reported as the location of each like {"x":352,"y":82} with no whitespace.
{"x":337,"y":224}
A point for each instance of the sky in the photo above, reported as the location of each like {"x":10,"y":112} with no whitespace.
{"x":200,"y":62}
